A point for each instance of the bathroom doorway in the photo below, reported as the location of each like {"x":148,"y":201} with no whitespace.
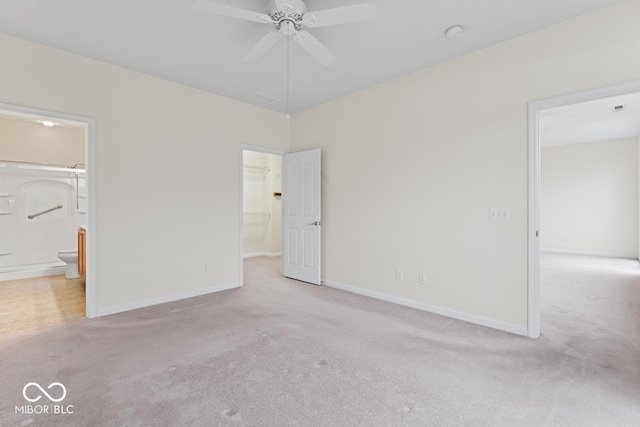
{"x":47,"y":244}
{"x":261,"y":208}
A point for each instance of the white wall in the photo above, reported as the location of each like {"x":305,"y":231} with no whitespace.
{"x":262,"y":211}
{"x":23,"y":141}
{"x":589,"y":197}
{"x":411,"y":167}
{"x":164,"y":153}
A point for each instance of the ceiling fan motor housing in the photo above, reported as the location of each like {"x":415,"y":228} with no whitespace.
{"x":287,"y":12}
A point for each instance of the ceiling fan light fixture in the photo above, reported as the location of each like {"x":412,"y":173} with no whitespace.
{"x":288,"y":28}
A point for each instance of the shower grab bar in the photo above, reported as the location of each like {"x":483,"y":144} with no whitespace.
{"x":44,"y":212}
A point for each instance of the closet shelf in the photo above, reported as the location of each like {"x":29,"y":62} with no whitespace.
{"x":255,"y":172}
{"x":40,"y":167}
{"x":256,"y":168}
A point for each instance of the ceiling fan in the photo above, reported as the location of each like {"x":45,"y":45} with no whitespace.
{"x":288,"y":18}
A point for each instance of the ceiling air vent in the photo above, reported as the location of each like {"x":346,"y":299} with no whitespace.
{"x":263,"y":98}
{"x":618,"y":108}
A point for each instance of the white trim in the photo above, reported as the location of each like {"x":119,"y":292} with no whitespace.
{"x":586,"y":253}
{"x":478,"y":320}
{"x":258,"y":149}
{"x":241,"y":217}
{"x":535,"y":107}
{"x":33,"y":271}
{"x":533,"y":225}
{"x":165,"y":299}
{"x":267,"y":254}
{"x":91,"y":274}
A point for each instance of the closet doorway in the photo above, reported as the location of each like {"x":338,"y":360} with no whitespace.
{"x":261,"y":207}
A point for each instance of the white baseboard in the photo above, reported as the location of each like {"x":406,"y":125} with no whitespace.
{"x":267,"y":254}
{"x":586,"y":253}
{"x":33,"y":271}
{"x":161,"y":300}
{"x":495,"y":324}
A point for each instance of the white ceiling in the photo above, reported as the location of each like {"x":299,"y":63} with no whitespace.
{"x":591,"y":121}
{"x":168,"y":39}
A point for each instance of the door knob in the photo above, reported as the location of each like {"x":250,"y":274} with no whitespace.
{"x":316,"y":223}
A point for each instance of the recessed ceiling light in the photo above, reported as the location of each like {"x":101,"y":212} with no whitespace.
{"x":454,"y":31}
{"x":47,"y":123}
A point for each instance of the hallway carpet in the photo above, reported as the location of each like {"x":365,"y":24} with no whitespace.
{"x":284,"y":353}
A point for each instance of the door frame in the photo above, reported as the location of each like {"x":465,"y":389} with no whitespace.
{"x":258,"y":149}
{"x":535,"y":108}
{"x":90,"y":160}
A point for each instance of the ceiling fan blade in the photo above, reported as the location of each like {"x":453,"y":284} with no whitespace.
{"x":266,"y":43}
{"x":233,"y":12}
{"x":315,"y":48}
{"x":340,"y":15}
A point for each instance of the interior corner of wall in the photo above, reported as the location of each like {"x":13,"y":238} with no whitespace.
{"x":288,"y":133}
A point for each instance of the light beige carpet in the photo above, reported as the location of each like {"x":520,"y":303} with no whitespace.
{"x":284,"y":353}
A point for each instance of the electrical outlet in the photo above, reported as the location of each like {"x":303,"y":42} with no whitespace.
{"x":499,"y":214}
{"x":206,"y":267}
{"x":422,"y":278}
{"x":399,"y":274}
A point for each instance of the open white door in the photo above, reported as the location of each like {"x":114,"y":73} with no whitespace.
{"x":301,"y":216}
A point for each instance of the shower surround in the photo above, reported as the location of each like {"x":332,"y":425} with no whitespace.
{"x":29,"y":243}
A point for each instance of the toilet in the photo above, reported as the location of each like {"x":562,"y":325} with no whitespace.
{"x":71,"y":258}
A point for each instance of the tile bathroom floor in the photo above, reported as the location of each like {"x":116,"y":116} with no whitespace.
{"x":38,"y":302}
